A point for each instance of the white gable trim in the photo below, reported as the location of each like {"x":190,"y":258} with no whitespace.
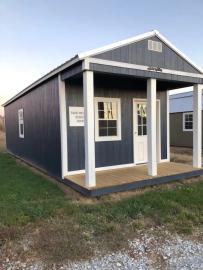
{"x":167,"y":42}
{"x":136,"y":39}
{"x":141,"y":67}
{"x":117,"y":44}
{"x":85,"y":55}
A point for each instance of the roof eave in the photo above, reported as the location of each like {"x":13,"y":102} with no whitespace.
{"x":44,"y":78}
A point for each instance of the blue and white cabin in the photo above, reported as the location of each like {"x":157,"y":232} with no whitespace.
{"x":91,"y":121}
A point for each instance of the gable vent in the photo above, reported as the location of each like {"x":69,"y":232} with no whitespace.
{"x":154,"y":46}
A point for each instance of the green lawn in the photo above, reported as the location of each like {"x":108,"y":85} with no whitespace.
{"x":25,"y":196}
{"x":30,"y":202}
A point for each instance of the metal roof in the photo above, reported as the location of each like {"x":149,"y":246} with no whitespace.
{"x":182,"y":102}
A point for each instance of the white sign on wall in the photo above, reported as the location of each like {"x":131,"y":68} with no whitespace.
{"x":76,"y":116}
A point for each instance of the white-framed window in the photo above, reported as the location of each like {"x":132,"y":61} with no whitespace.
{"x":21,"y":123}
{"x":107,"y":119}
{"x":188,"y":121}
{"x":154,"y":46}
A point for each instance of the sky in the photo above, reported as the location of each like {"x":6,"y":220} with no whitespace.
{"x":36,"y":36}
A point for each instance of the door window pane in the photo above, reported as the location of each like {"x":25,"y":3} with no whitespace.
{"x":142,"y":119}
{"x":140,"y":130}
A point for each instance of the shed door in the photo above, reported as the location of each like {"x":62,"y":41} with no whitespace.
{"x":140,"y":131}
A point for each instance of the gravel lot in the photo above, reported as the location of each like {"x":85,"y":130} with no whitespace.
{"x":155,"y":249}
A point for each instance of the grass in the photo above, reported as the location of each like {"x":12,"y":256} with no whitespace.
{"x":2,"y":141}
{"x":70,"y":227}
{"x":25,"y":196}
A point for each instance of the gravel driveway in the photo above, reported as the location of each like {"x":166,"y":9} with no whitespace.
{"x":155,"y":249}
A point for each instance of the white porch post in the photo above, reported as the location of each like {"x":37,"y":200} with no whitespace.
{"x":168,"y":125}
{"x":151,"y":127}
{"x":197,"y":126}
{"x":88,"y":99}
{"x":63,"y":127}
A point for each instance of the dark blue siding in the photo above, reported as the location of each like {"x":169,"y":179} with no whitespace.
{"x":138,"y":53}
{"x":41,"y":145}
{"x":112,"y":152}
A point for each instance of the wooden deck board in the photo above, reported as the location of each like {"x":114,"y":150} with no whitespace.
{"x":109,"y":178}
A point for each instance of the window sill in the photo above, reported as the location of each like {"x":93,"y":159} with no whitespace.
{"x":107,"y":139}
{"x":187,"y":130}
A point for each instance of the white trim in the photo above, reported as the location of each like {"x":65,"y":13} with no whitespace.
{"x":151,"y":127}
{"x":63,"y":127}
{"x":114,"y":167}
{"x":136,"y":39}
{"x":82,"y":56}
{"x":85,"y":64}
{"x":168,"y":125}
{"x":142,"y":67}
{"x":158,"y":129}
{"x":174,"y":48}
{"x":183,"y":121}
{"x":104,"y":168}
{"x":164,"y":160}
{"x":158,"y":117}
{"x":108,"y":138}
{"x":88,"y":100}
{"x":21,"y":122}
{"x":197,"y":125}
{"x":117,"y":44}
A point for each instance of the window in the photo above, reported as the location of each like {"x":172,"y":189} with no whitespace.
{"x":107,"y":119}
{"x":154,"y":46}
{"x":21,"y":123}
{"x":142,"y":119}
{"x":187,"y":121}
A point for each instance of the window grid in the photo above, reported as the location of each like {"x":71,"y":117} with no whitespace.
{"x":21,"y":123}
{"x":187,"y":121}
{"x":142,"y":119}
{"x":107,"y":119}
{"x":107,"y":116}
{"x":154,"y":46}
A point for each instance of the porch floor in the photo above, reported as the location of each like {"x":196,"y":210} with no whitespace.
{"x":131,"y":177}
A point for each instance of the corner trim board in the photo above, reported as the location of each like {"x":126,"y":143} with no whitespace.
{"x":168,"y":124}
{"x":63,"y":127}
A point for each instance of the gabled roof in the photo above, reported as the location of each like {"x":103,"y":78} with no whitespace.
{"x":82,"y":56}
{"x":136,"y":39}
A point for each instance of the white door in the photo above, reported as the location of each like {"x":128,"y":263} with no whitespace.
{"x":140,"y":131}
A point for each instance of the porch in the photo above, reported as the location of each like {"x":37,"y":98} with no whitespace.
{"x":132,"y":177}
{"x":125,"y":120}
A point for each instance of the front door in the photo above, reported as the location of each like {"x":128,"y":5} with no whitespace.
{"x":140,"y":131}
